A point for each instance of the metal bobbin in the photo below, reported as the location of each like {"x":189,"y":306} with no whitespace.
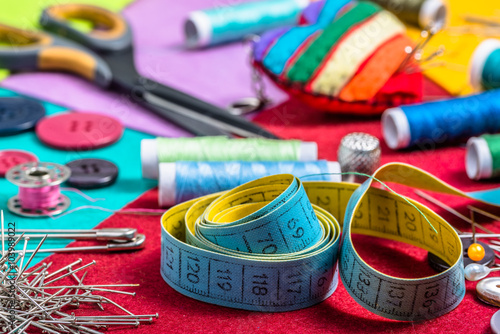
{"x":38,"y":175}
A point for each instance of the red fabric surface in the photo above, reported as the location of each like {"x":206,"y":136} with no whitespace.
{"x":339,"y":313}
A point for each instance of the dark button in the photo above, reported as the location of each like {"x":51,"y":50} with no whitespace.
{"x":489,"y":257}
{"x":19,"y":114}
{"x":92,"y":173}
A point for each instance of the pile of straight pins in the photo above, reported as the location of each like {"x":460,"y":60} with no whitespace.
{"x":32,"y":298}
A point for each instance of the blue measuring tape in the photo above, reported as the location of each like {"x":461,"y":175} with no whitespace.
{"x":272,"y":245}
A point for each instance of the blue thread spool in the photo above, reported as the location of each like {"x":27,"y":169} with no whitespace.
{"x":231,"y":23}
{"x":435,"y":123}
{"x":182,"y":181}
{"x":485,"y":65}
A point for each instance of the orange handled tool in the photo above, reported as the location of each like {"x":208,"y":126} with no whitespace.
{"x":105,"y":56}
{"x":22,"y":50}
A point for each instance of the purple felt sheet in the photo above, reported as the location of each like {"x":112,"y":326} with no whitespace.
{"x":219,"y":75}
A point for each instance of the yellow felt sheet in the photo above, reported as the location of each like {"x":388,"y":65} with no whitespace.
{"x":459,"y":45}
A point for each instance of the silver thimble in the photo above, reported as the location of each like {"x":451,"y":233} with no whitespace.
{"x":358,"y":152}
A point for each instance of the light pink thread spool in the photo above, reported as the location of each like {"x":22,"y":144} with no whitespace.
{"x":39,"y":192}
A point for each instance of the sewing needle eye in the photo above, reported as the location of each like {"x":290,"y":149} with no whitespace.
{"x":134,"y":244}
{"x":104,"y":234}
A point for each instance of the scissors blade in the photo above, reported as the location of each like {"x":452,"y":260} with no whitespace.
{"x":126,"y":79}
{"x":159,"y":97}
{"x":160,"y":102}
{"x":194,"y":126}
{"x":190,"y":106}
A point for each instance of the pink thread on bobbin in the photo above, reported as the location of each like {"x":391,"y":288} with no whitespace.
{"x":39,"y":189}
{"x":40,"y":192}
{"x":39,"y":198}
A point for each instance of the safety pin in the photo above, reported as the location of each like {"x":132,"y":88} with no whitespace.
{"x":134,"y":244}
{"x":104,"y":234}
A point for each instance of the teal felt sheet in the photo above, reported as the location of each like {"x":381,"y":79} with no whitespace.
{"x":491,"y":196}
{"x":125,"y":154}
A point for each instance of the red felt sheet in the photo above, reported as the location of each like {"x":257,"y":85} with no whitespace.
{"x":339,"y":313}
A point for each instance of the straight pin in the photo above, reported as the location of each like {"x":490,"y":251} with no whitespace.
{"x":450,"y":210}
{"x":24,"y":252}
{"x":474,"y":240}
{"x":10,"y":250}
{"x":480,"y":235}
{"x":3,"y":233}
{"x":484,"y":213}
{"x":481,"y":20}
{"x":23,"y":324}
{"x":72,"y":271}
{"x":64,"y":268}
{"x":83,"y":287}
{"x":426,"y":35}
{"x":37,"y":307}
{"x":33,"y":255}
{"x":118,"y":316}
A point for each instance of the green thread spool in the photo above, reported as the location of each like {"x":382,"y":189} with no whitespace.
{"x":484,"y":73}
{"x":482,"y":160}
{"x":155,"y":151}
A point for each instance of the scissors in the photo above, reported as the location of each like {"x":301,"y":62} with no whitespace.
{"x":105,"y":56}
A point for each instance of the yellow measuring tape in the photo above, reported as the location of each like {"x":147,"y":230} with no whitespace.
{"x":272,"y":245}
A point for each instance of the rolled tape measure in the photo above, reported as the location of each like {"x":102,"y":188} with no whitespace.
{"x":272,"y":244}
{"x":276,"y":243}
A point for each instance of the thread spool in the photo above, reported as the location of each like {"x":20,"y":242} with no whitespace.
{"x":421,"y":13}
{"x":430,"y":124}
{"x":39,"y":192}
{"x":482,"y":160}
{"x":154,"y":151}
{"x":182,"y":181}
{"x":230,"y":23}
{"x":484,"y":65}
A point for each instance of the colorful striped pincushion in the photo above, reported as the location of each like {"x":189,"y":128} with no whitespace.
{"x":344,"y":58}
